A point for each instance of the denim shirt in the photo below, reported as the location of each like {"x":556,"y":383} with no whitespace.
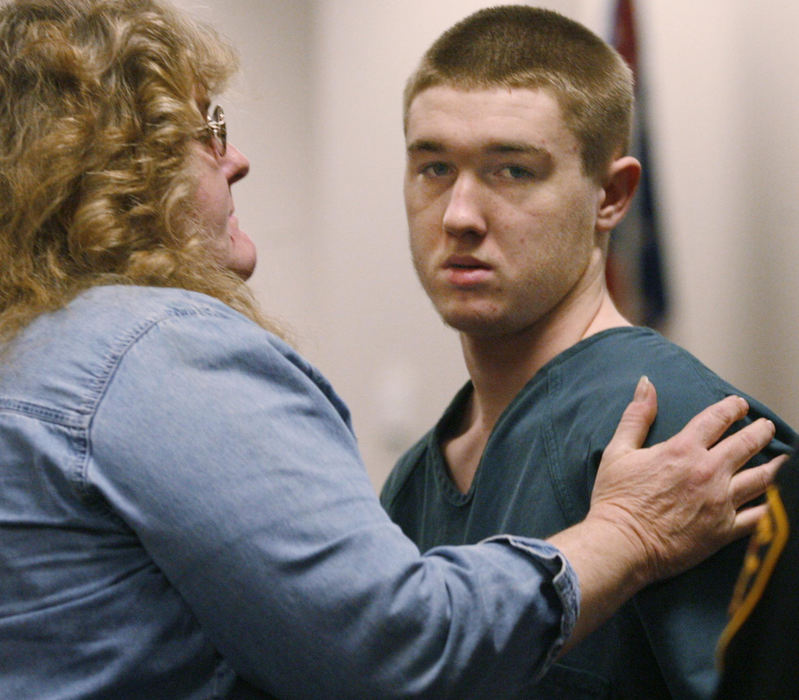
{"x":184,"y":514}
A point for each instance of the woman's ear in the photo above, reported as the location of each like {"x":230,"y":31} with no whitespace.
{"x":621,"y":181}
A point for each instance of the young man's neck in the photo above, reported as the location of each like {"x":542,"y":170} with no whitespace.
{"x":500,"y":366}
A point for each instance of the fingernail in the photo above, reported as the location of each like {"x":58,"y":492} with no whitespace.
{"x":642,"y":389}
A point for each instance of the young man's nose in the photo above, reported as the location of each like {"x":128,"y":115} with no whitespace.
{"x":464,"y":211}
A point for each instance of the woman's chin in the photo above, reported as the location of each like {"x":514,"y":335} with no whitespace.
{"x":242,"y":256}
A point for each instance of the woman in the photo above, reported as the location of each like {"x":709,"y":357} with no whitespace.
{"x":183,"y":511}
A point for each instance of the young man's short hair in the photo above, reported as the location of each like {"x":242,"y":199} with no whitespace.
{"x":518,"y":46}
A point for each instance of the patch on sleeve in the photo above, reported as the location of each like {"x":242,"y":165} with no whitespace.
{"x":765,"y":547}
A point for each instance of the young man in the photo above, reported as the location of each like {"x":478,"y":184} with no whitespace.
{"x":517,"y":124}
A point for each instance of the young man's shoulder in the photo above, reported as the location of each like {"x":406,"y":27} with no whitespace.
{"x":424,"y":452}
{"x":403,"y":470}
{"x":604,"y":369}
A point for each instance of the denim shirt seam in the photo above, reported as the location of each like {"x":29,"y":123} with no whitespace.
{"x":108,"y":366}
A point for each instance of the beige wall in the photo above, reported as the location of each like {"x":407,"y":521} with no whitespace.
{"x":727,"y":109}
{"x":317,"y":109}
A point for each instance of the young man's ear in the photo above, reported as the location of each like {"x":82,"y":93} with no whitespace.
{"x":621,"y":181}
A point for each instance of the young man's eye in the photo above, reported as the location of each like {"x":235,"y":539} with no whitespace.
{"x":436,"y":169}
{"x":516,"y":172}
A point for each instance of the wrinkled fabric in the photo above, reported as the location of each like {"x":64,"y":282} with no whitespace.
{"x":535,"y":477}
{"x":184,"y":514}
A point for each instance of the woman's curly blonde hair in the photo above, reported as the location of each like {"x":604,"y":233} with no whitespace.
{"x":98,"y":106}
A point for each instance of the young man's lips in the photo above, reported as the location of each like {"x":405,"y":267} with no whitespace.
{"x":465,"y":261}
{"x":466,"y":270}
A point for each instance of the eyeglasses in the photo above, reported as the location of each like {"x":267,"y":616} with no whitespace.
{"x":217,"y":130}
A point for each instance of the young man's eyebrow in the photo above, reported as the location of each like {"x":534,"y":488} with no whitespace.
{"x":517,"y":147}
{"x":425,"y":146}
{"x":430,"y":146}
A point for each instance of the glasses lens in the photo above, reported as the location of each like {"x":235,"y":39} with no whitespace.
{"x":219,"y":130}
